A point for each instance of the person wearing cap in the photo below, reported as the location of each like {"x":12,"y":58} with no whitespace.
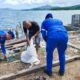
{"x":55,"y":36}
{"x":3,"y":37}
{"x":31,"y":30}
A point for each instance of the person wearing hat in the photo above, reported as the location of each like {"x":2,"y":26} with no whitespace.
{"x":55,"y":36}
{"x":3,"y":37}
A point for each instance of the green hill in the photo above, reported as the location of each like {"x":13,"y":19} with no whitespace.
{"x":76,"y":7}
{"x":47,"y":7}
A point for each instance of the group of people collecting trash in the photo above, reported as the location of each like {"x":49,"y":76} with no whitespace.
{"x":54,"y":34}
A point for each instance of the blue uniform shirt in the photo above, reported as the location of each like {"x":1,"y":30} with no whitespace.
{"x":49,"y":26}
{"x":2,"y":41}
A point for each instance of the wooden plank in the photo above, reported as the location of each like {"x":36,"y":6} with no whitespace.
{"x":73,"y":46}
{"x":34,"y":69}
{"x":18,"y":45}
{"x":15,"y":41}
{"x":15,"y":45}
{"x":72,"y":32}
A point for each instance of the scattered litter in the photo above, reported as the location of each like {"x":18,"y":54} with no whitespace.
{"x":40,"y":78}
{"x":42,"y":44}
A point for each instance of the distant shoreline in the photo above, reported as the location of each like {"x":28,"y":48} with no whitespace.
{"x":48,"y":7}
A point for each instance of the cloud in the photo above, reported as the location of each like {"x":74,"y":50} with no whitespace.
{"x":32,"y":1}
{"x":29,"y":3}
{"x":11,"y":2}
{"x":66,"y":2}
{"x":54,"y":2}
{"x":16,"y":2}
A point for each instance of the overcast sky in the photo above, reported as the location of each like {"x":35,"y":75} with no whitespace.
{"x":19,"y":4}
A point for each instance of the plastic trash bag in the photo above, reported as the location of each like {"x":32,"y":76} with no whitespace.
{"x":9,"y":53}
{"x":30,"y":55}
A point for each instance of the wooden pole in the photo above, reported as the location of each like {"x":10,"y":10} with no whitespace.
{"x":34,"y":69}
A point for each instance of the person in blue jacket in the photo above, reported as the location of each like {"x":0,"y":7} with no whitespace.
{"x":55,"y":36}
{"x":3,"y":37}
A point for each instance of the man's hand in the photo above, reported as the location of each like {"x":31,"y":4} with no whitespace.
{"x":33,"y":38}
{"x":28,"y":43}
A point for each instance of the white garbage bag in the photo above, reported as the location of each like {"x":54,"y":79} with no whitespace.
{"x":30,"y":55}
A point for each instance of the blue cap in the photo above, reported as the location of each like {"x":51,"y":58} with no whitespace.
{"x":12,"y":34}
{"x":49,"y":15}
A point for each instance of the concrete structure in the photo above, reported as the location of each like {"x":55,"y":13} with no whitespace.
{"x":76,"y":20}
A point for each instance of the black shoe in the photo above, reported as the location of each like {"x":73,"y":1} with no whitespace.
{"x":61,"y":73}
{"x":47,"y":72}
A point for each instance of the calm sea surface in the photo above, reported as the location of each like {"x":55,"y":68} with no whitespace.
{"x":14,"y":17}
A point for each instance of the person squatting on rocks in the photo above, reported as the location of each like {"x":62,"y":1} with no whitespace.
{"x":3,"y":37}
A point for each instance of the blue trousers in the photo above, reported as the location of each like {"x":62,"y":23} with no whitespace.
{"x":58,"y":40}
